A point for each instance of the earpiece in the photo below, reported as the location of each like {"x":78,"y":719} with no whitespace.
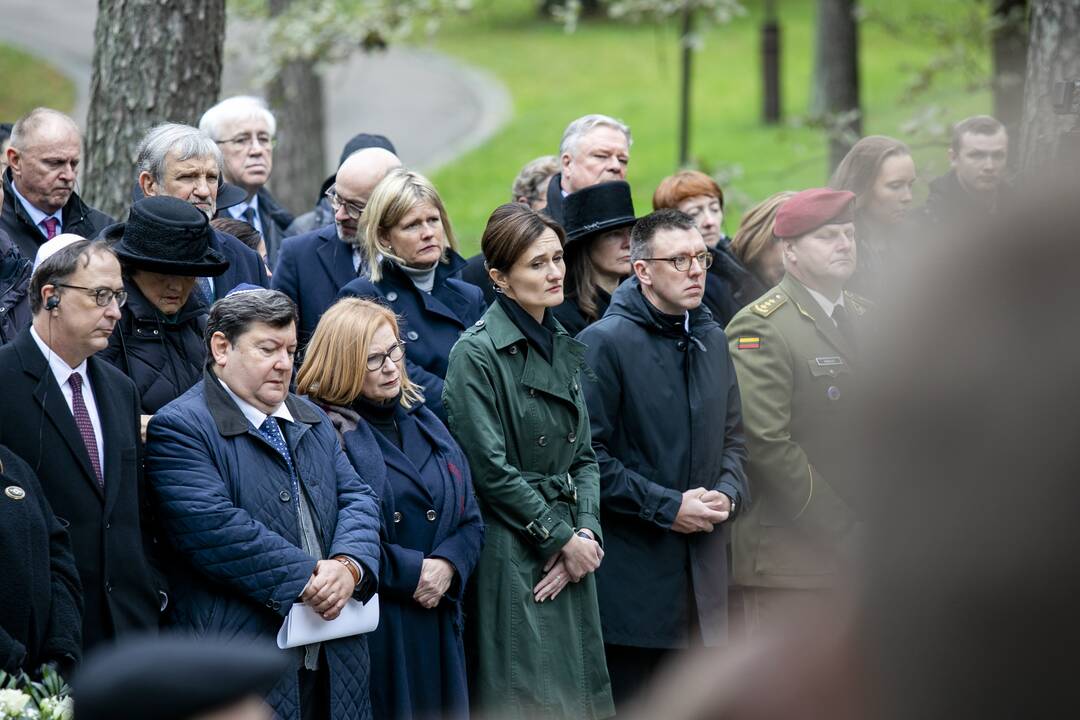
{"x":53,"y":302}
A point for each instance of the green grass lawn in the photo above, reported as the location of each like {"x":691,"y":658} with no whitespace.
{"x":631,"y":72}
{"x":28,"y":82}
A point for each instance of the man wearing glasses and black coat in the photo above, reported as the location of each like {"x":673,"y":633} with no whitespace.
{"x":667,"y":429}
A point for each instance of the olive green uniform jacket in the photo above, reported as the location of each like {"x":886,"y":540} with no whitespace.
{"x":797,"y":376}
{"x":524,"y":428}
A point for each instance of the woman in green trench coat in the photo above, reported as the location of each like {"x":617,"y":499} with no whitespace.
{"x":514,"y":403}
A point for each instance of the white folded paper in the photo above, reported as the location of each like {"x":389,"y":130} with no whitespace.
{"x":304,"y":626}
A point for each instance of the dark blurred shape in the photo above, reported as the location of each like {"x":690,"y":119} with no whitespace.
{"x":966,"y":604}
{"x":173,"y":678}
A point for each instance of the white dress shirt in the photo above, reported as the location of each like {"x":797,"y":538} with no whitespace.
{"x":237,"y":211}
{"x":37,"y":215}
{"x":61,"y":371}
{"x":826,"y":304}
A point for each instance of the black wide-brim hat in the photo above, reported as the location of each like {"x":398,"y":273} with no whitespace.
{"x":596,"y":209}
{"x":169,"y":236}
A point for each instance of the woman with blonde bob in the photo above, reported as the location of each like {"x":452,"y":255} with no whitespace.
{"x":757,"y":248}
{"x":413,"y":266}
{"x":432,"y":531}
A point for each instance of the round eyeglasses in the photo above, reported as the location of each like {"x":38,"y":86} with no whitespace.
{"x":102,"y":295}
{"x":353,"y":209}
{"x":682,"y":263}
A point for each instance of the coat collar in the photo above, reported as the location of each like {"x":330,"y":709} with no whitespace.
{"x":336,"y":256}
{"x":444,"y":299}
{"x":567,"y":357}
{"x":230,"y":420}
{"x":73,"y":213}
{"x":811,"y":309}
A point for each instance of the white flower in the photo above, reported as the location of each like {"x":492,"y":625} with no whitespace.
{"x":53,"y":708}
{"x":12,"y":703}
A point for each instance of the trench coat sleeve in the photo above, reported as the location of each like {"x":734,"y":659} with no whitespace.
{"x":623,"y":491}
{"x":470,"y":398}
{"x":782,"y":468}
{"x":732,"y":478}
{"x":204,"y":525}
{"x":586,"y":474}
{"x":400,"y":572}
{"x":462,"y":547}
{"x":63,"y":639}
{"x":357,"y":531}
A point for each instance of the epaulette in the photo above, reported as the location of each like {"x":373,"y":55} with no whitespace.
{"x":769,"y":305}
{"x":859,"y":304}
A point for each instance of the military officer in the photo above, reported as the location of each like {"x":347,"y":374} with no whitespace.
{"x":795,"y":357}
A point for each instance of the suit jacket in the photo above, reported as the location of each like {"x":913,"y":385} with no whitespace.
{"x":311,"y":268}
{"x":245,"y":265}
{"x":275,"y":220}
{"x":797,"y":376}
{"x":120,"y":586}
{"x":554,"y":207}
{"x":79,"y":218}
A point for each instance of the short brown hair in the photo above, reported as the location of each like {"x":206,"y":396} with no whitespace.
{"x":238,"y":229}
{"x":682,"y":185}
{"x":61,"y":265}
{"x":335,"y":361}
{"x":755,"y":233}
{"x":510,"y":231}
{"x":976,"y":125}
{"x":528,"y":182}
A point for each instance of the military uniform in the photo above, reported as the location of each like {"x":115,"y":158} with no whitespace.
{"x":797,"y":375}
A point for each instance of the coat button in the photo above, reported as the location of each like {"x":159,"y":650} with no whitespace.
{"x":270,"y":604}
{"x":285,"y":496}
{"x":532,"y":392}
{"x":108,"y":525}
{"x":391,"y":296}
{"x":108,"y":586}
{"x":478,"y":323}
{"x":412,"y":336}
{"x":397,"y":517}
{"x":513,"y":350}
{"x":542,"y":441}
{"x":572,"y":437}
{"x":431,"y":515}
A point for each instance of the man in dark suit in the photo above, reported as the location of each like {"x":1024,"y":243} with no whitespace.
{"x":75,"y":420}
{"x":244,"y":128}
{"x":183,"y":162}
{"x":594,"y":149}
{"x":314,"y":266}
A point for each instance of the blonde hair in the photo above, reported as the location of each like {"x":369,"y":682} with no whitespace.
{"x":755,"y":233}
{"x":395,"y":195}
{"x":335,"y":362}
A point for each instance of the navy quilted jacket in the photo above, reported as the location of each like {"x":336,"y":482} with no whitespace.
{"x":223,"y":495}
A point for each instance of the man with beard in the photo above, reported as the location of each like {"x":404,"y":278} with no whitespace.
{"x":314,"y":266}
{"x":183,"y":162}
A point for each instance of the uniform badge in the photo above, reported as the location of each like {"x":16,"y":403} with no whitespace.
{"x":749,"y":343}
{"x":833,"y":392}
{"x":769,"y":305}
{"x":14,"y":492}
{"x":829,"y":361}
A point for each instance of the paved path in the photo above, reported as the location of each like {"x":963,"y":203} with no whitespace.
{"x":433,"y":107}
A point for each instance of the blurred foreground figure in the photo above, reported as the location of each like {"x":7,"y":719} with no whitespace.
{"x":174,"y":678}
{"x":965,"y":607}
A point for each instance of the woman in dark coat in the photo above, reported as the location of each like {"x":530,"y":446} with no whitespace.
{"x":432,"y":531}
{"x":597,"y":222}
{"x":514,"y":398}
{"x":163,"y":248}
{"x":413,"y":266}
{"x":40,"y":595}
{"x":881,"y":173}
{"x":729,"y":287}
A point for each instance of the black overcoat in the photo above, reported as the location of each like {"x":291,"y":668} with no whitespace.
{"x":310,"y":269}
{"x":665,"y":416}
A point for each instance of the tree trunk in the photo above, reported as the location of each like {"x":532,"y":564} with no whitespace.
{"x":836,"y":76}
{"x":1053,"y":56}
{"x":154,"y":61}
{"x":770,"y":65}
{"x":686,"y":41}
{"x":296,"y":97}
{"x":1009,"y":52}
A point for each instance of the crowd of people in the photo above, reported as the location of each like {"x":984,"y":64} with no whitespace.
{"x":558,"y":465}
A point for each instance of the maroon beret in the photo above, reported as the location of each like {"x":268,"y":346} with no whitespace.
{"x":810,"y":209}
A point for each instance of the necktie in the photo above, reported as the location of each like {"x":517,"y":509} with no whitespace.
{"x":271,"y":431}
{"x":249,"y":217}
{"x":843,"y":323}
{"x":206,"y":287}
{"x":50,"y":225}
{"x":86,"y":428}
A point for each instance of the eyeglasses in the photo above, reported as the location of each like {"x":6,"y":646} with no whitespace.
{"x":682,"y":262}
{"x":395,"y":353}
{"x":102,"y":295}
{"x":353,"y":209}
{"x":245,"y":141}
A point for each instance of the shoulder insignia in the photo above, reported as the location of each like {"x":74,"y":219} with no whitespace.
{"x":769,"y":305}
{"x":859,"y":304}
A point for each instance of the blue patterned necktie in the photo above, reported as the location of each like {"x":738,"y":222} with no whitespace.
{"x":271,"y":431}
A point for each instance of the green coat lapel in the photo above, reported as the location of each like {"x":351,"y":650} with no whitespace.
{"x":556,"y":379}
{"x":811,"y":308}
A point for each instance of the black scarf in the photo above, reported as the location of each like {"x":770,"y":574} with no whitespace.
{"x":540,"y":336}
{"x":380,"y":415}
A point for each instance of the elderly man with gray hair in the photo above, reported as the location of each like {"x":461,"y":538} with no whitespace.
{"x":183,"y":162}
{"x":243,"y":127}
{"x":594,"y":149}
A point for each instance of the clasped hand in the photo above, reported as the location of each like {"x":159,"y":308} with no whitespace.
{"x":701,"y":510}
{"x":329,"y":588}
{"x":436,"y":575}
{"x":577,"y":558}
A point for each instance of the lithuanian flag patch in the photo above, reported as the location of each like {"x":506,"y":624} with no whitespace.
{"x":749,"y":343}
